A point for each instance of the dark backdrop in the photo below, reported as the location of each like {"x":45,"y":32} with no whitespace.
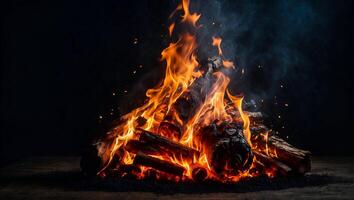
{"x":61,"y":62}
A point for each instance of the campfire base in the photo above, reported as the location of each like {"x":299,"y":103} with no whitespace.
{"x":60,"y":178}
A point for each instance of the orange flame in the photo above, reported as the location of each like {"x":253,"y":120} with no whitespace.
{"x":217,"y":43}
{"x":188,"y":17}
{"x":237,"y":101}
{"x":228,"y":64}
{"x":170,"y":28}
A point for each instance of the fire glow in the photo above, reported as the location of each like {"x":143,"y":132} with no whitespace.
{"x":170,"y":135}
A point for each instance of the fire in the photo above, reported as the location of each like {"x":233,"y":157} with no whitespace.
{"x":188,"y":17}
{"x":182,"y":69}
{"x":217,"y":43}
{"x":228,"y":64}
{"x":237,"y":101}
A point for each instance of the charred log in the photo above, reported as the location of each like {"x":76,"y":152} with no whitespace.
{"x":164,"y":145}
{"x":297,"y":159}
{"x":199,"y":174}
{"x":226,"y":148}
{"x":271,"y":163}
{"x":158,"y":164}
{"x":135,"y":146}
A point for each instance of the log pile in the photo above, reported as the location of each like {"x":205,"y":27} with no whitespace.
{"x":227,"y":151}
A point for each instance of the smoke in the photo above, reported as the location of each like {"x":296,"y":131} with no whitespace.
{"x":269,"y":40}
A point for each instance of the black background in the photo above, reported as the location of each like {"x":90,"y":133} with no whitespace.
{"x":61,"y":61}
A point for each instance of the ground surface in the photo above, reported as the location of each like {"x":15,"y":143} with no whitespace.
{"x":60,"y":178}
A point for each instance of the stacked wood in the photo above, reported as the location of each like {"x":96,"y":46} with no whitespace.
{"x":150,"y":144}
{"x":297,"y":159}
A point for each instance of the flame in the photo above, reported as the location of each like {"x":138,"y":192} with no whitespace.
{"x":237,"y":101}
{"x":170,"y":28}
{"x":188,"y":17}
{"x":228,"y":64}
{"x":217,"y":43}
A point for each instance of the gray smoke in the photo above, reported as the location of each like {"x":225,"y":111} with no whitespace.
{"x":269,"y":34}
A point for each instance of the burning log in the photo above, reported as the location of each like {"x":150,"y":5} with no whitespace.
{"x":164,"y":145}
{"x":135,"y":146}
{"x":254,"y":116}
{"x":297,"y":159}
{"x":199,"y":174}
{"x":158,"y":164}
{"x":226,"y":148}
{"x":273,"y":164}
{"x":186,"y":106}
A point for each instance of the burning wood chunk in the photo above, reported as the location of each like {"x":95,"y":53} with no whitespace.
{"x":199,"y":174}
{"x":186,"y":106}
{"x":297,"y":159}
{"x":265,"y":142}
{"x":164,"y":145}
{"x":158,"y":164}
{"x":226,"y":148}
{"x":135,"y":146}
{"x":170,"y":130}
{"x":272,"y":164}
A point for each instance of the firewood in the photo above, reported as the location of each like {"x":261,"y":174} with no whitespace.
{"x":158,"y":164}
{"x":187,"y":104}
{"x":135,"y":146}
{"x":172,"y":131}
{"x":272,"y":163}
{"x":253,"y":116}
{"x":164,"y":145}
{"x":226,"y":148}
{"x":199,"y":174}
{"x":299,"y":160}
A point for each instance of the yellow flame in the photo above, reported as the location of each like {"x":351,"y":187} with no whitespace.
{"x":237,"y":101}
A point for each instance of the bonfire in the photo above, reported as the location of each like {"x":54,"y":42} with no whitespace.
{"x":191,"y":127}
